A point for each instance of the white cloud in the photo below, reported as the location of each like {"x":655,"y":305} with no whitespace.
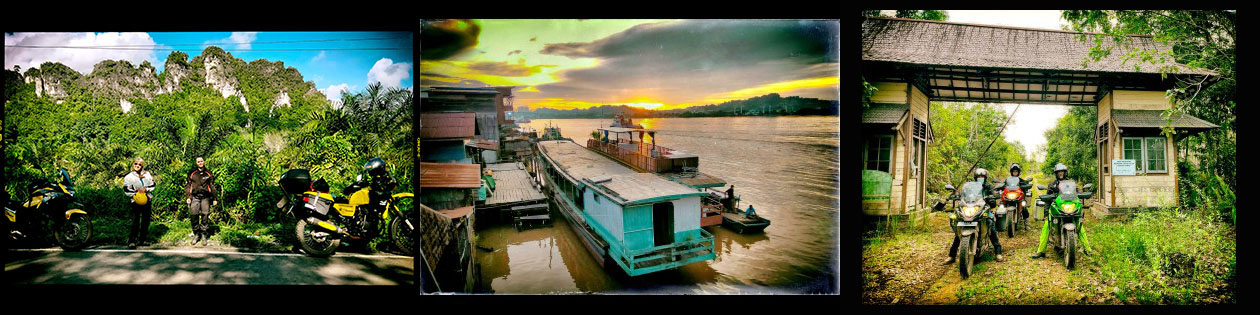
{"x":238,"y":40}
{"x":80,"y":60}
{"x":333,"y":93}
{"x":388,"y":73}
{"x":322,"y":54}
{"x":1043,"y":19}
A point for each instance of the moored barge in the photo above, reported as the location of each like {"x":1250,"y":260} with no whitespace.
{"x":643,"y":222}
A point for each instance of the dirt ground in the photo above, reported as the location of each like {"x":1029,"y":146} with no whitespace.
{"x":907,"y":269}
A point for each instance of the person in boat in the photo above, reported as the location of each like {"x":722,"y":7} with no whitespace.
{"x":729,"y":201}
{"x":751,"y":213}
{"x":981,"y":176}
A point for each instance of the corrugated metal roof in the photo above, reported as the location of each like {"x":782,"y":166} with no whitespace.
{"x":1126,"y":118}
{"x":449,"y":175}
{"x":884,"y":113}
{"x":447,"y":125}
{"x":625,"y":183}
{"x":970,"y":45}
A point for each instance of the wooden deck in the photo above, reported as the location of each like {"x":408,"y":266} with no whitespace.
{"x":513,"y":186}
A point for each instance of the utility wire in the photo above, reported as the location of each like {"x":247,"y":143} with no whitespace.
{"x":173,"y":49}
{"x":220,"y":43}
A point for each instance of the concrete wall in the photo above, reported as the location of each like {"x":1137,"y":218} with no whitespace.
{"x":1144,"y":190}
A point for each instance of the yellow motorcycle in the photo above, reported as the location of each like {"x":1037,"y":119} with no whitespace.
{"x":51,"y":207}
{"x":324,"y":220}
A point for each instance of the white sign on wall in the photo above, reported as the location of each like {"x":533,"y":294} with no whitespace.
{"x":1124,"y":167}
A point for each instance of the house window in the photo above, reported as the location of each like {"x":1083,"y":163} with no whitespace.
{"x":919,"y":152}
{"x":1148,"y":152}
{"x":878,"y":154}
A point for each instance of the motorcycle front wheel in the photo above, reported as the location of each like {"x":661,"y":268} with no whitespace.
{"x":314,"y":240}
{"x":1069,"y":250}
{"x":965,"y":256}
{"x":74,"y":233}
{"x":402,"y":233}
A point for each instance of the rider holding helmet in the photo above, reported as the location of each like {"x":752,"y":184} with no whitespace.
{"x":1052,"y":191}
{"x":981,"y":175}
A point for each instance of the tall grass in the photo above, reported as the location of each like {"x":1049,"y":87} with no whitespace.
{"x":1167,"y":256}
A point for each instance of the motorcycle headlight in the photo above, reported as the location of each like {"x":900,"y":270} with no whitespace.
{"x":1012,"y":196}
{"x":970,"y":211}
{"x":1069,"y":208}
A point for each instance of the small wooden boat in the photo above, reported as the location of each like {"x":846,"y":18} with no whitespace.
{"x":741,"y":223}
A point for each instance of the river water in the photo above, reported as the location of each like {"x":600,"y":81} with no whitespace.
{"x":786,"y":167}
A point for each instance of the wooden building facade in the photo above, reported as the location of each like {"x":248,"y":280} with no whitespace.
{"x":914,"y":62}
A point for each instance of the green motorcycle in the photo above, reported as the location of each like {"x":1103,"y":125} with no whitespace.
{"x":1065,"y":211}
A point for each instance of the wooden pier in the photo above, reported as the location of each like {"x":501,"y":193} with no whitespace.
{"x":516,"y":194}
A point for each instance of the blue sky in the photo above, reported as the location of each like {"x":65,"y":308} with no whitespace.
{"x":322,"y":57}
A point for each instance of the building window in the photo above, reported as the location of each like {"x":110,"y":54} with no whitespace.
{"x":878,"y":153}
{"x":1148,"y":152}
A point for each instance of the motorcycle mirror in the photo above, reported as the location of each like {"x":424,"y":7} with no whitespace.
{"x":1087,"y":186}
{"x":949,"y":187}
{"x":1042,"y":187}
{"x":358,"y":178}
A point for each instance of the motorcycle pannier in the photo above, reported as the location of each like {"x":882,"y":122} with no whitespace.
{"x":295,"y":181}
{"x":318,"y":202}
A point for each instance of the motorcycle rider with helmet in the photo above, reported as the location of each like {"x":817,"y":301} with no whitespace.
{"x":1052,"y":191}
{"x":1016,"y":170}
{"x":980,"y":175}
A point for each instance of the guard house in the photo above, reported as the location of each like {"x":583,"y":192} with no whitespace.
{"x":914,"y":62}
{"x":894,"y":154}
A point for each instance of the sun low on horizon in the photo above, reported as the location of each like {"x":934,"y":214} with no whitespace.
{"x":648,"y":64}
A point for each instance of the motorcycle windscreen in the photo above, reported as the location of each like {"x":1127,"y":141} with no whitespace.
{"x":1067,"y":190}
{"x":1012,"y":183}
{"x":972,"y":192}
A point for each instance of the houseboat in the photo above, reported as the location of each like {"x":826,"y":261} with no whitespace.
{"x":627,"y":145}
{"x":643,"y":222}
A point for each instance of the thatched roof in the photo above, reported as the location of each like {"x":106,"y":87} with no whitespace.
{"x":973,"y":45}
{"x":1152,"y":119}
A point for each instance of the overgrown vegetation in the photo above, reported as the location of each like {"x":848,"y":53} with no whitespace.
{"x":1167,"y":256}
{"x":89,"y":134}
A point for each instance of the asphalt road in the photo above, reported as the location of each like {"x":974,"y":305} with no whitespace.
{"x":202,"y":266}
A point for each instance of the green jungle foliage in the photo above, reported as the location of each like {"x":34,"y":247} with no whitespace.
{"x":1204,"y":39}
{"x":1068,"y":143}
{"x":962,"y":131}
{"x":87,"y":133}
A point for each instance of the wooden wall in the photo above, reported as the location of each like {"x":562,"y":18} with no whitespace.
{"x":1149,"y":100}
{"x":906,"y":189}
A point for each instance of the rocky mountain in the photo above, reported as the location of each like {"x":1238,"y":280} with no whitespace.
{"x":260,"y":82}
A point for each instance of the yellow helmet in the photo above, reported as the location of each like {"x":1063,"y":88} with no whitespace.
{"x":141,"y":198}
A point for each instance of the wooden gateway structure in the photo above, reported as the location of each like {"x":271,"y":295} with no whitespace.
{"x":914,"y":62}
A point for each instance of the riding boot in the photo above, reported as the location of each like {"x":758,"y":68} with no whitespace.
{"x":950,"y":261}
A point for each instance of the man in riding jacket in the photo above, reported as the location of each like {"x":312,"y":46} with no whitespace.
{"x":139,"y":181}
{"x":200,"y":197}
{"x":1052,"y":191}
{"x":981,"y":176}
{"x":1015,"y":171}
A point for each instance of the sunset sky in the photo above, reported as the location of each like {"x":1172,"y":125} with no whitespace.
{"x":654,"y":64}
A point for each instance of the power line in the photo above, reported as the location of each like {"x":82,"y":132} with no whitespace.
{"x":173,"y":49}
{"x":220,"y":43}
